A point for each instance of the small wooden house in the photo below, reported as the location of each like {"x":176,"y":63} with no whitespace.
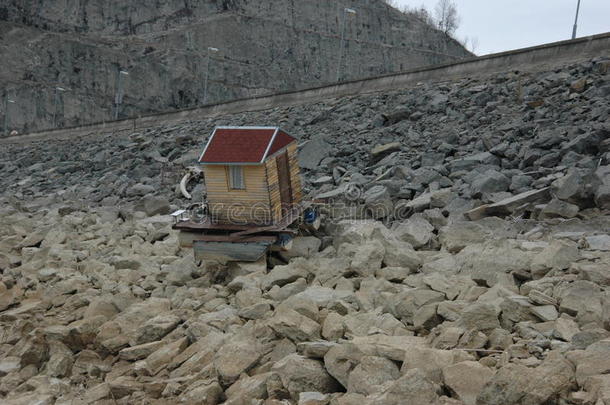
{"x":251,"y":175}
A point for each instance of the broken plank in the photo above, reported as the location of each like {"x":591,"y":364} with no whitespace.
{"x":508,"y":205}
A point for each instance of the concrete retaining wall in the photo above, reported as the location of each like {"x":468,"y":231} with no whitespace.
{"x":528,"y":59}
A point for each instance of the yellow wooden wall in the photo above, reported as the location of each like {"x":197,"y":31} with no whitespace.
{"x":273,"y":181}
{"x":251,"y":206}
{"x":295,"y":173}
{"x":274,"y":189}
{"x":260,"y":201}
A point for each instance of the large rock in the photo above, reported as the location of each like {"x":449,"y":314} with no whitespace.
{"x":358,"y":232}
{"x":490,"y":264}
{"x":602,"y":192}
{"x":236,"y":357}
{"x":480,"y":316}
{"x":313,"y":152}
{"x":558,"y":254}
{"x":416,"y":231}
{"x":366,"y":323}
{"x":573,"y":188}
{"x":341,"y":359}
{"x":598,"y":389}
{"x":582,"y":299}
{"x":300,"y":374}
{"x":381,"y":151}
{"x":432,"y":361}
{"x":378,"y":202}
{"x":598,"y":242}
{"x":516,"y":384}
{"x":163,"y":356}
{"x":456,"y":236}
{"x":401,"y":254}
{"x":371,"y":374}
{"x":203,"y":392}
{"x":155,"y":328}
{"x":282,"y":275}
{"x":140,"y":352}
{"x":333,"y":327}
{"x":471,"y":162}
{"x":466,"y":380}
{"x":451,"y":286}
{"x":296,"y":327}
{"x":153,"y":205}
{"x":407,"y":303}
{"x":391,"y":347}
{"x":302,"y":246}
{"x":247,"y":388}
{"x":592,"y":361}
{"x":559,"y":209}
{"x":197,"y":356}
{"x":412,"y":386}
{"x":366,"y":258}
{"x":489,"y":182}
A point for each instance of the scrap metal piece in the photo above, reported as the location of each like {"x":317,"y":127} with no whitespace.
{"x":192,"y":171}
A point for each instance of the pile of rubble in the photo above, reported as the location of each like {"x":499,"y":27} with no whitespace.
{"x":464,"y":259}
{"x":98,"y":308}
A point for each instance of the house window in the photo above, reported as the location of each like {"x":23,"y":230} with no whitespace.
{"x":236,"y":178}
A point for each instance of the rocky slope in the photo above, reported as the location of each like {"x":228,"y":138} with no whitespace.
{"x":400,"y":298}
{"x":265,"y":46}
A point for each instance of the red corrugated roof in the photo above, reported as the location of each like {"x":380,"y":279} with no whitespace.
{"x":243,"y":144}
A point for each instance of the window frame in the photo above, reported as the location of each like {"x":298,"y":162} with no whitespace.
{"x":232,"y":170}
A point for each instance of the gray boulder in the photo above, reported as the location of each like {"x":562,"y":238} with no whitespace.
{"x":602,"y":193}
{"x":516,"y":384}
{"x":378,"y":202}
{"x":470,"y":162}
{"x":371,"y":374}
{"x":456,"y":236}
{"x":153,"y":205}
{"x":415,"y":230}
{"x":573,"y":188}
{"x":312,"y":153}
{"x":489,"y":182}
{"x":559,"y":209}
{"x":466,"y":380}
{"x":236,"y":357}
{"x":412,"y":385}
{"x":300,"y":374}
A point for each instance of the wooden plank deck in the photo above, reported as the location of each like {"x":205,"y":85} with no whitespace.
{"x":208,"y":225}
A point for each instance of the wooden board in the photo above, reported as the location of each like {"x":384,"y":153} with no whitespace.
{"x":230,"y":251}
{"x":236,"y":239}
{"x":508,"y":205}
{"x":283,"y":175}
{"x":274,"y":189}
{"x":295,"y":173}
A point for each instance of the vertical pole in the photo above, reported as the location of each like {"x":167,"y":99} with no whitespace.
{"x":346,"y":11}
{"x":341,"y":46}
{"x":576,"y":20}
{"x":207,"y":76}
{"x":55,"y":108}
{"x":119,"y":95}
{"x":6,"y":103}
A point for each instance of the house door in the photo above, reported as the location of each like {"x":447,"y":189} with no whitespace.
{"x":283,"y":175}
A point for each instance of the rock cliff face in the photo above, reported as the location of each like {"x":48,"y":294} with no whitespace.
{"x":264,"y":46}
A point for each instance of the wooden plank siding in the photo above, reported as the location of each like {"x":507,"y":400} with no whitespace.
{"x":274,"y":189}
{"x":250,"y":205}
{"x":295,"y":173}
{"x":262,"y":191}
